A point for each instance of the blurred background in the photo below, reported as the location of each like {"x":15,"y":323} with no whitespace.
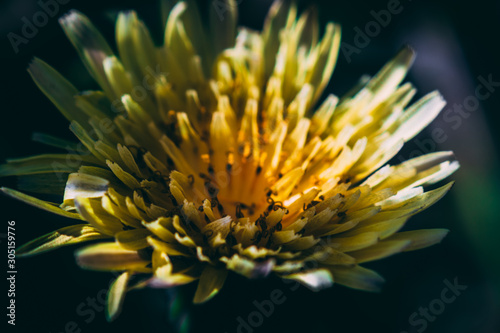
{"x":458,"y":51}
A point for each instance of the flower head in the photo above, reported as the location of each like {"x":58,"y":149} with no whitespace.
{"x":213,"y":153}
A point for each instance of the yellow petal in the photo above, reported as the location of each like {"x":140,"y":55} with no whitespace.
{"x":172,"y":249}
{"x":116,"y":295}
{"x":380,"y":250}
{"x":357,"y":277}
{"x":92,"y":211}
{"x":135,"y":239}
{"x":358,"y":242}
{"x":248,"y":268}
{"x":211,"y":281}
{"x":160,"y":228}
{"x":420,"y":239}
{"x":90,"y":44}
{"x":111,"y":257}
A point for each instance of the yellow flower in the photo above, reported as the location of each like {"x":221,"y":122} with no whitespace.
{"x":209,"y":154}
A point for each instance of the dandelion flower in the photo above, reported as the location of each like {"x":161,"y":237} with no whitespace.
{"x":214,"y":153}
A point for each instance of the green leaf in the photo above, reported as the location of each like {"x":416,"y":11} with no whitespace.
{"x":66,"y":236}
{"x":53,"y":141}
{"x":50,"y":207}
{"x":44,"y":183}
{"x":47,"y":163}
{"x":59,"y":90}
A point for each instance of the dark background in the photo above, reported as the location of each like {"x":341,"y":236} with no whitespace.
{"x":457,"y":41}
